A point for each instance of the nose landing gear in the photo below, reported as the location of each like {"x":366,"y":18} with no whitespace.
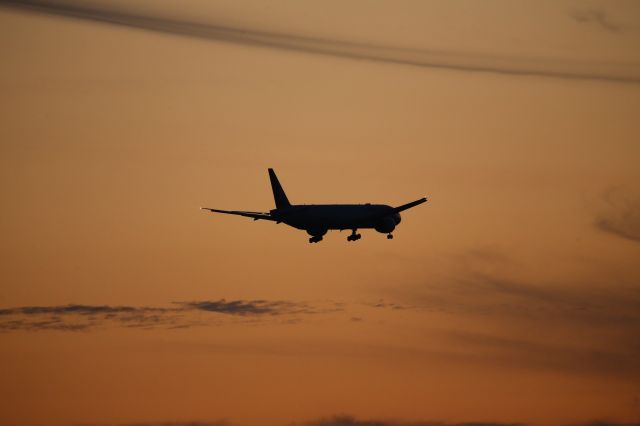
{"x":389,"y":236}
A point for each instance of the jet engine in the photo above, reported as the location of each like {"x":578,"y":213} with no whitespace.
{"x":317,"y":232}
{"x":386,"y":225}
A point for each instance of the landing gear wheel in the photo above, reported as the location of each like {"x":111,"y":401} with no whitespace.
{"x":316,"y":239}
{"x":354,"y":237}
{"x":389,"y":237}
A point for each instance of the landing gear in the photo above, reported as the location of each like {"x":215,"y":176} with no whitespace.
{"x":354,"y":236}
{"x":389,"y":236}
{"x":316,"y":234}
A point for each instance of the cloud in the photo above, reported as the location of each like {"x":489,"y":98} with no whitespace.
{"x":595,"y":16}
{"x":485,"y":283}
{"x":510,"y":65}
{"x":584,"y":327}
{"x":528,"y":353}
{"x":606,"y":423}
{"x":388,"y":305}
{"x":252,"y":307}
{"x":75,"y":317}
{"x":621,"y":216}
{"x":52,"y":324}
{"x":489,"y":295}
{"x":345,"y":420}
{"x":165,"y":423}
{"x":605,"y":306}
{"x":187,"y":423}
{"x":74,"y":309}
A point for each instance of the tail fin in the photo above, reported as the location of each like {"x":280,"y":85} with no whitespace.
{"x":278,"y":193}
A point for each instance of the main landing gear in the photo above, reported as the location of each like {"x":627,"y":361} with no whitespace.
{"x":354,"y":236}
{"x":315,"y":239}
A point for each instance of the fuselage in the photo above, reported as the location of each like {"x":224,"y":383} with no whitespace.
{"x":316,"y":219}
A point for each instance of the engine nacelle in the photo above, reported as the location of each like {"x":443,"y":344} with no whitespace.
{"x":386,"y":225}
{"x":317,"y":232}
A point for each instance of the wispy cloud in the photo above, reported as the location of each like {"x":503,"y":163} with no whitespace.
{"x":596,"y":306}
{"x":385,"y":304}
{"x":346,"y":420}
{"x":77,"y":309}
{"x":459,"y":61}
{"x":529,"y":353}
{"x":597,"y":16}
{"x":606,"y":423}
{"x":187,"y":423}
{"x":483,"y":283}
{"x":621,"y":215}
{"x":579,"y":328}
{"x":75,"y":317}
{"x":257,"y":307}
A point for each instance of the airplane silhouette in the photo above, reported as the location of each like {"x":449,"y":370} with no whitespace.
{"x":317,"y":219}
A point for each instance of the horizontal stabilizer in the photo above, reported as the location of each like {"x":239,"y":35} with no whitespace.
{"x":409,"y":205}
{"x":253,"y":215}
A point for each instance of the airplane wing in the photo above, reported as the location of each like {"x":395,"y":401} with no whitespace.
{"x":409,"y":205}
{"x":254,"y":215}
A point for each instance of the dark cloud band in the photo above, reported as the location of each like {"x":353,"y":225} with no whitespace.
{"x":542,"y":67}
{"x":75,"y":317}
{"x":344,"y":420}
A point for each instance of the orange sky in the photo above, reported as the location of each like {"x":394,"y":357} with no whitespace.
{"x":513,"y":296}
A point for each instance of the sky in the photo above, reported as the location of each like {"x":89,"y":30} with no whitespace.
{"x":511,"y":297}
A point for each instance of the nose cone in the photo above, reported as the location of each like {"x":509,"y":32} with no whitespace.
{"x":397,"y":218}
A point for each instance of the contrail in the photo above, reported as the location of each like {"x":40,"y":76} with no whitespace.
{"x":541,"y":67}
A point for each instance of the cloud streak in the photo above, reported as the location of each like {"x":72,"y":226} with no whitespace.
{"x":595,"y":16}
{"x":75,"y":317}
{"x":579,"y":328}
{"x":187,"y":423}
{"x":346,"y":420}
{"x":425,"y":58}
{"x":621,"y":217}
{"x":505,"y":351}
{"x":254,"y":307}
{"x":481,"y":286}
{"x":607,"y":423}
{"x":75,"y":309}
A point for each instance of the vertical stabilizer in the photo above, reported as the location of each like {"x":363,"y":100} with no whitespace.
{"x":278,"y":193}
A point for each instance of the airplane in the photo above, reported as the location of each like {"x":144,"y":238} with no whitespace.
{"x":317,"y":219}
